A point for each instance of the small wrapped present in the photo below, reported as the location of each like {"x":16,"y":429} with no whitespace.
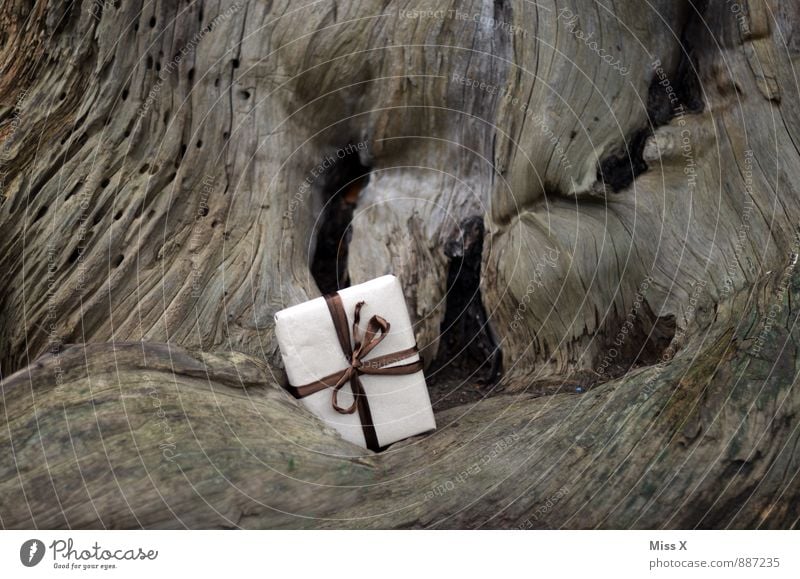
{"x":352,"y":359}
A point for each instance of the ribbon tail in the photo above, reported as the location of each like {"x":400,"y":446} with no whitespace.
{"x":365,"y":414}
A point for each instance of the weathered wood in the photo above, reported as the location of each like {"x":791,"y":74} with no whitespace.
{"x":146,"y":435}
{"x":164,"y":168}
{"x":716,"y":209}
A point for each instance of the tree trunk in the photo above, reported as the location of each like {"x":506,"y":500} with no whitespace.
{"x":172,"y":175}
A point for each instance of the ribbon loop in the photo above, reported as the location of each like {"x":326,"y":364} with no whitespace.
{"x":346,"y":377}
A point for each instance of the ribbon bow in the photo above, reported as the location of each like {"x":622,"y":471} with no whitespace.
{"x":354,"y":353}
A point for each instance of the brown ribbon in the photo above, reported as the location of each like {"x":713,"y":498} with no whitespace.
{"x":354,"y":353}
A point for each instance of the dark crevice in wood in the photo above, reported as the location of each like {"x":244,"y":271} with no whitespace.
{"x":74,"y":190}
{"x":468,"y":349}
{"x":684,"y":81}
{"x":73,"y":257}
{"x":40,"y":213}
{"x":341,"y":185}
{"x":619,"y":169}
{"x":641,"y":343}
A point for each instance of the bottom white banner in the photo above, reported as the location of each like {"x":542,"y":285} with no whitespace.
{"x":333,"y":554}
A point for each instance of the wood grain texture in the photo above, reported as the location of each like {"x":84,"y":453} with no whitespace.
{"x":163,"y":173}
{"x":161,"y":437}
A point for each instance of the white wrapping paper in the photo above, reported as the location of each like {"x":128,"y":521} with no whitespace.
{"x":400,"y":405}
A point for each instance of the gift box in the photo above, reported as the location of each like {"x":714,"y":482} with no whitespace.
{"x":352,"y":360}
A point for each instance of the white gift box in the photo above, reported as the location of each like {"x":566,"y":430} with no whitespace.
{"x":394,"y":406}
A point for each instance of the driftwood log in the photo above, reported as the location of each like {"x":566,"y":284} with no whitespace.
{"x":172,"y":174}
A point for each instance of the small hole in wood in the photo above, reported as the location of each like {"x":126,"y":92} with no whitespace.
{"x":73,"y":257}
{"x":40,"y":214}
{"x":467,"y":347}
{"x":341,"y":186}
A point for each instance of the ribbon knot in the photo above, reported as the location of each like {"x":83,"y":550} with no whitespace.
{"x":354,"y":354}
